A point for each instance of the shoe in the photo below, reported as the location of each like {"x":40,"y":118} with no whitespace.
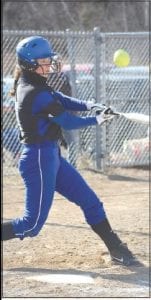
{"x":123,"y":256}
{"x":7,"y":231}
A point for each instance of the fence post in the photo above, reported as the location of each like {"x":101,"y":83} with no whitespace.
{"x":104,"y":156}
{"x":74,"y":137}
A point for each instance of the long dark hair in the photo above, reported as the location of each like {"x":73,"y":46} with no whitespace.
{"x":17,"y":74}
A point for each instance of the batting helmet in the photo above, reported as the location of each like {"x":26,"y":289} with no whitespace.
{"x":32,"y":48}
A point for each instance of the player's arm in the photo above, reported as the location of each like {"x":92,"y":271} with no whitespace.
{"x":69,"y":121}
{"x":73,"y":104}
{"x":46,"y":105}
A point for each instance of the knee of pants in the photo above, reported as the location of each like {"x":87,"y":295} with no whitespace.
{"x":38,"y":226}
{"x":27,"y":226}
{"x":35,"y":231}
{"x":34,"y":228}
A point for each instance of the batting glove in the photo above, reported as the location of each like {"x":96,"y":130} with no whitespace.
{"x":91,"y":105}
{"x":105,"y":115}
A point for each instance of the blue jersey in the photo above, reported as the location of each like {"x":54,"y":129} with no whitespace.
{"x":42,"y":112}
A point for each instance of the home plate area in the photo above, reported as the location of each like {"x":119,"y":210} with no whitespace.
{"x":62,"y":278}
{"x":115,"y":281}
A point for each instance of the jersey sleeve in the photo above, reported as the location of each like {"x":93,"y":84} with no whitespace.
{"x":70,"y":103}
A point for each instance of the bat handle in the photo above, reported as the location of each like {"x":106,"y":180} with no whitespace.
{"x":110,"y":111}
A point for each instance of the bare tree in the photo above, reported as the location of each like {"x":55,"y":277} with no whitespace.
{"x":77,"y":15}
{"x":67,"y":12}
{"x":146,"y":13}
{"x":124,"y":15}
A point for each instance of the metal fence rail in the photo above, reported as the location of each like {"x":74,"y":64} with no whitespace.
{"x":88,"y":62}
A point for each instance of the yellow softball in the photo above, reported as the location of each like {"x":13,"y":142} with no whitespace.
{"x":121,"y":58}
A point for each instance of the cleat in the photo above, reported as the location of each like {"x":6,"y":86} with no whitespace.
{"x":123,"y":256}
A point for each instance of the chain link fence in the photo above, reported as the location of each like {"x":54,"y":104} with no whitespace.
{"x":89,"y":70}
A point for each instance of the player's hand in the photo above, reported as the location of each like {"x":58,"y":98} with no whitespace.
{"x":105,"y":115}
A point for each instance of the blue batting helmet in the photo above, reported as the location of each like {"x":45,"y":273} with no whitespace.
{"x":30,"y":49}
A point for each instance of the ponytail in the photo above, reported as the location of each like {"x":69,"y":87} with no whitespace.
{"x":17,"y":73}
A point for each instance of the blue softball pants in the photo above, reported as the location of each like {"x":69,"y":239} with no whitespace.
{"x":44,"y":171}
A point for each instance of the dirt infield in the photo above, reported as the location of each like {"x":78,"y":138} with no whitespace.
{"x":67,"y":245}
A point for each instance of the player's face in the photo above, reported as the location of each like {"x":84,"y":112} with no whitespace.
{"x":44,"y":66}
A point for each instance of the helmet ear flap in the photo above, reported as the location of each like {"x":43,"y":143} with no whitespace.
{"x":25,"y":65}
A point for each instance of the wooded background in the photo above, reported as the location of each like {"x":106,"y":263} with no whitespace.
{"x":109,"y":16}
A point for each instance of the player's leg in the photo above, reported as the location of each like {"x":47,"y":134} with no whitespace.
{"x":38,"y":169}
{"x":72,"y":186}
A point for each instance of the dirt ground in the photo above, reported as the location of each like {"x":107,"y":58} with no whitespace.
{"x":67,"y":245}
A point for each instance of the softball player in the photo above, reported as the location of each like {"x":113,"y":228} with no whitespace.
{"x":41,"y":113}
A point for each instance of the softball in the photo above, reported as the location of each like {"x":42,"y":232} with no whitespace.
{"x":121,"y":58}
